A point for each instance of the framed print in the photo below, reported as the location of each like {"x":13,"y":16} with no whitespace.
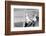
{"x":24,"y":17}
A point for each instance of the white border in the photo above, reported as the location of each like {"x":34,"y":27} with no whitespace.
{"x":26,"y":28}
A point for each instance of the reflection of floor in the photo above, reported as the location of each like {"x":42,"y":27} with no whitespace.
{"x":28,"y":23}
{"x":20,"y":24}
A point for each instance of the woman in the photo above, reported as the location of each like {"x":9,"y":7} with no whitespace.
{"x":31,"y":22}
